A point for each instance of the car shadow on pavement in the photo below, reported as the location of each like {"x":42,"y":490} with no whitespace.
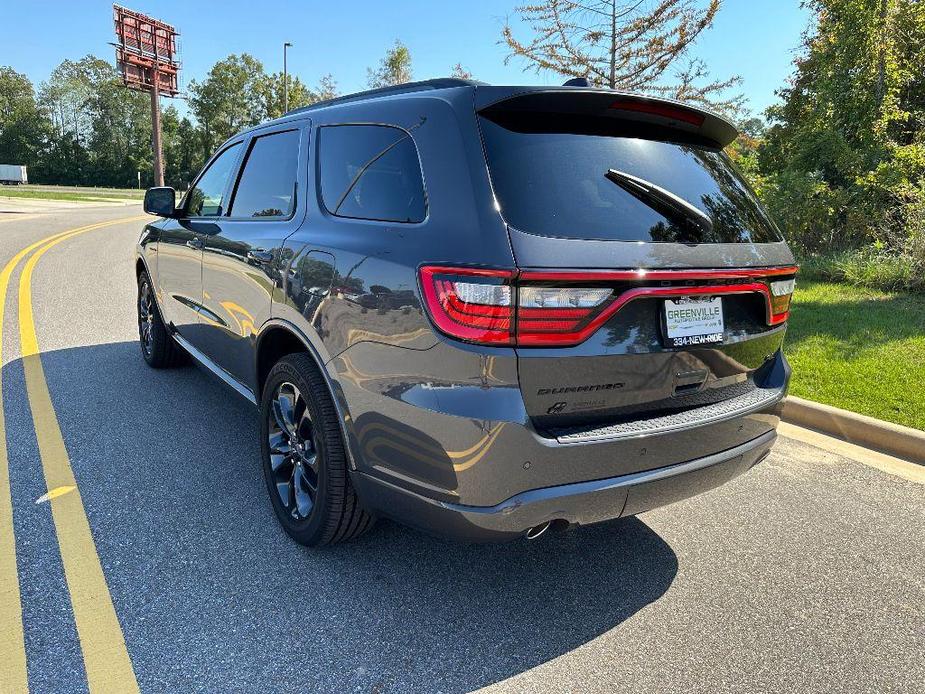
{"x":210,"y":591}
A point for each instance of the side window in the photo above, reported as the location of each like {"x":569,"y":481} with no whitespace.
{"x":371,"y":172}
{"x":266,"y":187}
{"x":205,"y":198}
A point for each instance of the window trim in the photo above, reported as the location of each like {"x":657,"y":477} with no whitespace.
{"x":251,"y":141}
{"x":235,"y":169}
{"x":318,"y":175}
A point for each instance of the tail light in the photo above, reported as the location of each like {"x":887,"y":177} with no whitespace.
{"x":558,"y":315}
{"x":781,"y":293}
{"x":530,"y":309}
{"x":470,"y":304}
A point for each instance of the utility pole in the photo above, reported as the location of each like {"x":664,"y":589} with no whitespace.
{"x":285,"y":79}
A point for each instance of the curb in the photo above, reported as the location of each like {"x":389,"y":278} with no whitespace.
{"x":893,"y":439}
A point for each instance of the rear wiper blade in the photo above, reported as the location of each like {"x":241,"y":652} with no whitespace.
{"x":662,"y":201}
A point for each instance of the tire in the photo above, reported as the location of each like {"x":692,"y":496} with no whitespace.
{"x":158,"y":348}
{"x":304,"y":463}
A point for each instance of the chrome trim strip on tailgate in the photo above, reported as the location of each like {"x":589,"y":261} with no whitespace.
{"x":752,"y":401}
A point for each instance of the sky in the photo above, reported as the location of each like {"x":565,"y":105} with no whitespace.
{"x":756,"y":39}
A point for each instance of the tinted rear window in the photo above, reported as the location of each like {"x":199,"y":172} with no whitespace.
{"x":371,"y":172}
{"x":267,"y":184}
{"x":554,"y":183}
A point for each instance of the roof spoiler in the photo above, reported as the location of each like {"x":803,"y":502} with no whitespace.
{"x":605,"y":103}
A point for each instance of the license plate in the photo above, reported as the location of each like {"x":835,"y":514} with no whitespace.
{"x":693,"y":321}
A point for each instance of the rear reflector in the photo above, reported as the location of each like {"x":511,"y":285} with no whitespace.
{"x":531,"y":309}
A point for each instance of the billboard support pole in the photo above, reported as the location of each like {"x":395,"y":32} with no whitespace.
{"x":156,"y":133}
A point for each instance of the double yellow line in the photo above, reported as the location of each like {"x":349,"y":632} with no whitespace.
{"x":106,"y":659}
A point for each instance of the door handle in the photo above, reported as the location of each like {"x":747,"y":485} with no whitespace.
{"x":195,"y":243}
{"x":260,"y":256}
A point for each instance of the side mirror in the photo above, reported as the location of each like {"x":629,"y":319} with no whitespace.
{"x":161,"y":202}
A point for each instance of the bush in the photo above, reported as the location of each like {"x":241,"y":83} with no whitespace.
{"x":871,"y":234}
{"x":868,"y":267}
{"x":809,"y":211}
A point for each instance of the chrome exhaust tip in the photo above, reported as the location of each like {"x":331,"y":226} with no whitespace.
{"x":538,"y":530}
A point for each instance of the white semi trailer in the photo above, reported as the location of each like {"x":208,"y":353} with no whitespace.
{"x":13,"y":174}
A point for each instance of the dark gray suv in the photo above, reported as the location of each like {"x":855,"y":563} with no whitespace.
{"x":483,"y":311}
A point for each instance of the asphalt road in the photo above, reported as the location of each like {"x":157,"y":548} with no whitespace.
{"x":807,"y":574}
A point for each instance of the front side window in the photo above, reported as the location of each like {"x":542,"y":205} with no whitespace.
{"x":371,"y":172}
{"x":205,"y":198}
{"x":266,"y":187}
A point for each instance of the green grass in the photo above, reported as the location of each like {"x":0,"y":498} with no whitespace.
{"x":71,"y":193}
{"x":859,"y":349}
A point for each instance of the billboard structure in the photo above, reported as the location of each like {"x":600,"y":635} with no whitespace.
{"x":148,"y":60}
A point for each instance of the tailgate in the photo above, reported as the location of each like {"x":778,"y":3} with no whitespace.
{"x":650,"y":278}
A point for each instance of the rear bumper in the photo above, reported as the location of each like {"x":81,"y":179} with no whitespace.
{"x":580,"y":503}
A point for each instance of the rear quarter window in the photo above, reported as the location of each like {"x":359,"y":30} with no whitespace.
{"x":371,"y":172}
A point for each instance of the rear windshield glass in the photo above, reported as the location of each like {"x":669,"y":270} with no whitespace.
{"x":555,"y":182}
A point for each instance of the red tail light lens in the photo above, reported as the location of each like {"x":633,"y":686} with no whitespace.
{"x":535,"y":309}
{"x":781,"y":294}
{"x":484,"y":306}
{"x":470,"y":304}
{"x":557,"y":315}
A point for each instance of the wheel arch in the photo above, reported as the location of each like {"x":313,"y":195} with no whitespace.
{"x":141,"y":266}
{"x":279,"y":338}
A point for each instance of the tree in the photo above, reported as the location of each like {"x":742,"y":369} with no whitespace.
{"x":102,"y":131}
{"x":394,"y":68}
{"x":184,"y":155}
{"x":67,"y":93}
{"x":459,"y":72}
{"x":630,"y":45}
{"x":327,"y":88}
{"x":86,"y":128}
{"x":299,"y":95}
{"x":120,"y":132}
{"x":232,"y":97}
{"x":844,"y":155}
{"x":16,"y":96}
{"x":693,"y":86}
{"x":24,"y":129}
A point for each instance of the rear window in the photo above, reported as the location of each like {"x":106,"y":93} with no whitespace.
{"x":371,"y":172}
{"x":554,"y":182}
{"x":266,"y":187}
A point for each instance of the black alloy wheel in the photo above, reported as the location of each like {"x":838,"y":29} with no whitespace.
{"x":158,"y":348}
{"x":304,"y":461}
{"x":294,"y":459}
{"x":146,"y":318}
